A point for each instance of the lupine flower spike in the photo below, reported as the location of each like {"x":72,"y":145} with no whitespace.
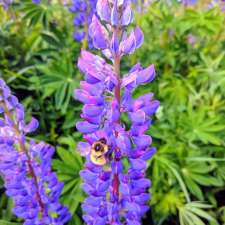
{"x":189,"y":2}
{"x":84,"y":10}
{"x":142,"y":5}
{"x":116,"y":153}
{"x":6,"y":3}
{"x":26,"y":167}
{"x":36,"y":1}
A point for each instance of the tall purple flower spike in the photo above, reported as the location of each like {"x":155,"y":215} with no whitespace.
{"x":142,"y":5}
{"x":6,"y":3}
{"x":84,"y":10}
{"x":36,"y":1}
{"x":26,"y":167}
{"x":114,"y":173}
{"x":189,"y":2}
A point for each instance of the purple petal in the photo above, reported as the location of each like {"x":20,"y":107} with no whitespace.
{"x":99,"y":34}
{"x":114,"y":16}
{"x":142,"y":141}
{"x":103,"y":10}
{"x":84,"y":148}
{"x":127,"y":16}
{"x":92,"y":110}
{"x":138,"y":164}
{"x":85,"y":127}
{"x":139,"y":36}
{"x":146,"y":75}
{"x":32,"y":126}
{"x":138,"y":117}
{"x":148,"y":153}
{"x":128,"y":45}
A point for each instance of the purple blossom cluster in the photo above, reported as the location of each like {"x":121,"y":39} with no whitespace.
{"x":36,"y":1}
{"x":189,"y":2}
{"x":219,"y":3}
{"x":26,"y":167}
{"x":115,"y":151}
{"x":142,"y":5}
{"x":84,"y":10}
{"x":6,"y":3}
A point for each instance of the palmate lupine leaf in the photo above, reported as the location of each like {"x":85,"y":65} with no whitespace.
{"x":211,"y":72}
{"x":199,"y":126}
{"x":174,"y":170}
{"x":196,"y":174}
{"x":36,"y":13}
{"x":203,"y":21}
{"x":192,"y":214}
{"x":58,"y":79}
{"x":5,"y":222}
{"x":67,"y":167}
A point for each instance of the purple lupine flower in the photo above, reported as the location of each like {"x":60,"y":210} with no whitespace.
{"x":26,"y":167}
{"x":191,"y":39}
{"x":84,"y":10}
{"x":6,"y":3}
{"x":114,"y":173}
{"x":36,"y":1}
{"x":189,"y":2}
{"x":142,"y":5}
{"x":220,"y":3}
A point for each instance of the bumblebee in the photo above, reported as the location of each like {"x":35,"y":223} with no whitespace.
{"x":98,"y":151}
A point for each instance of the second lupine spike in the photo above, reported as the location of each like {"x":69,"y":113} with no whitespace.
{"x":26,"y":167}
{"x":114,"y":176}
{"x":83,"y":10}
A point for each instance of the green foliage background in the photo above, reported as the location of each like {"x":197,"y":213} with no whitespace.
{"x":38,"y":61}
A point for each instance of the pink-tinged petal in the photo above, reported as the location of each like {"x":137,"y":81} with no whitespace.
{"x":32,"y":126}
{"x":142,"y":141}
{"x":92,"y":119}
{"x":142,"y":183}
{"x":127,"y":16}
{"x":136,"y":67}
{"x":137,"y":130}
{"x":103,"y":10}
{"x":151,"y":108}
{"x":114,"y":45}
{"x":88,"y":176}
{"x":129,"y":80}
{"x":94,"y":201}
{"x":85,"y":127}
{"x":94,"y":90}
{"x":124,"y":189}
{"x":138,"y":117}
{"x":92,"y":110}
{"x":107,"y":53}
{"x":132,"y":207}
{"x":83,"y":96}
{"x":142,"y":198}
{"x":88,"y":208}
{"x":99,"y":34}
{"x":146,"y":75}
{"x":146,"y":98}
{"x":128,"y":45}
{"x":114,"y":15}
{"x":84,"y":148}
{"x":139,"y":36}
{"x":138,"y":164}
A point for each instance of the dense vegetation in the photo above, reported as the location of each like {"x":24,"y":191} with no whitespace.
{"x":187,"y":45}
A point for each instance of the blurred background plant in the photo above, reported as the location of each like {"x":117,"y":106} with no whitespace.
{"x":187,"y":45}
